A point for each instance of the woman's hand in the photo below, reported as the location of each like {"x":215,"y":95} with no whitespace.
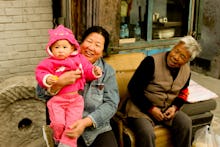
{"x":78,"y":127}
{"x":51,"y":79}
{"x":157,"y":114}
{"x":69,"y":77}
{"x":170,"y":112}
{"x":66,"y":78}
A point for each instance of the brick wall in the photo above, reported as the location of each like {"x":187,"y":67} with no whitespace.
{"x":24,"y":28}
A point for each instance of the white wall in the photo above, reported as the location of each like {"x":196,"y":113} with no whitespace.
{"x":23,"y":35}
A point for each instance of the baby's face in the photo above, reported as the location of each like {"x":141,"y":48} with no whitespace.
{"x":62,"y":49}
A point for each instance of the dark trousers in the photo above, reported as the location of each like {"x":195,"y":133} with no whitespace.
{"x":47,"y":117}
{"x":181,"y":130}
{"x":106,"y":139}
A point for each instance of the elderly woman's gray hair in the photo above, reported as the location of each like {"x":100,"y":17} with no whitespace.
{"x":192,"y":46}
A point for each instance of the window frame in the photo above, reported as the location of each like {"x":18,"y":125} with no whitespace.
{"x":163,"y":43}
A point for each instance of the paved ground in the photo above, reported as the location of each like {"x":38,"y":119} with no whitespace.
{"x":212,"y":84}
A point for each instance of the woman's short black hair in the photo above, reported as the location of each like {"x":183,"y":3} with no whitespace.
{"x":100,"y":30}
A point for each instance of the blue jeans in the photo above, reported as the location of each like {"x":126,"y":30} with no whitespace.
{"x":42,"y":93}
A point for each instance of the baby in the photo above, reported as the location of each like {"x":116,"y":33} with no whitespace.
{"x":66,"y":106}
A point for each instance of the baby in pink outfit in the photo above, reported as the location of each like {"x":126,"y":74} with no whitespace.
{"x":67,"y":105}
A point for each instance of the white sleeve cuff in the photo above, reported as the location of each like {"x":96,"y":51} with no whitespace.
{"x":45,"y":80}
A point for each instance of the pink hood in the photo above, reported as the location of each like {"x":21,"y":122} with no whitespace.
{"x":61,"y":33}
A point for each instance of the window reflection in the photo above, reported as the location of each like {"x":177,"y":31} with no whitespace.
{"x":169,"y":18}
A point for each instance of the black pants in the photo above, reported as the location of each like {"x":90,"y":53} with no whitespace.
{"x":181,"y":130}
{"x":47,"y":117}
{"x":106,"y":139}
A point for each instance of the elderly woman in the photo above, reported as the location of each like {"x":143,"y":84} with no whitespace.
{"x":101,"y":96}
{"x":158,"y":89}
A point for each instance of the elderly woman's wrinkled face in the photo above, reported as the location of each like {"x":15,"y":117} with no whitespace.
{"x":178,"y":56}
{"x":92,"y":47}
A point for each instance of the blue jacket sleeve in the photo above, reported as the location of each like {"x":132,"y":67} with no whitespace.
{"x":42,"y":93}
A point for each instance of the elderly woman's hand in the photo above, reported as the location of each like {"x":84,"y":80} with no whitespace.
{"x":170,"y":112}
{"x":157,"y":114}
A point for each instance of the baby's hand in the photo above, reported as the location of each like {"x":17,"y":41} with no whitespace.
{"x":52,"y":79}
{"x":97,"y":71}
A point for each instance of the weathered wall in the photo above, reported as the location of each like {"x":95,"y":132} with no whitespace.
{"x":210,"y":32}
{"x":23,"y":35}
{"x":110,"y":19}
{"x":210,"y":36}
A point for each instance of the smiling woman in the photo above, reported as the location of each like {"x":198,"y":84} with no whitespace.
{"x":92,"y":47}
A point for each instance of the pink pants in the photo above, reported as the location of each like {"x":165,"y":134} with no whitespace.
{"x":63,"y":111}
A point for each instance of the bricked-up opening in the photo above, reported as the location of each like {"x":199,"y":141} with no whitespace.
{"x":24,"y":124}
{"x":61,"y":12}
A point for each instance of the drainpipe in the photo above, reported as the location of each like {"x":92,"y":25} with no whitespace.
{"x":65,"y":13}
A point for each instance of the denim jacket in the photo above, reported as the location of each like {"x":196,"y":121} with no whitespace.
{"x":101,"y":102}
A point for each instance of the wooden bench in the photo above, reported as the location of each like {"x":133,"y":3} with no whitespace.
{"x":125,"y":65}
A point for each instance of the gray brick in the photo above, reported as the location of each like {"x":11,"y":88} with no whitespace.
{"x":33,"y":32}
{"x":17,"y":4}
{"x":2,"y":11}
{"x":28,"y":10}
{"x":21,"y":47}
{"x":17,"y":19}
{"x":46,"y":17}
{"x":32,"y":3}
{"x":13,"y":11}
{"x":41,"y":25}
{"x":45,"y":2}
{"x":5,"y":4}
{"x":33,"y":17}
{"x":4,"y":71}
{"x":6,"y":19}
{"x":15,"y":34}
{"x":34,"y":47}
{"x":15,"y":26}
{"x":42,"y":10}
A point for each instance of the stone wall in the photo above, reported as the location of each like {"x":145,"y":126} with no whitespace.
{"x":23,"y":35}
{"x":210,"y":34}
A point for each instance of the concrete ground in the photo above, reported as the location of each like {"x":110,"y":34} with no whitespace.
{"x":212,"y":84}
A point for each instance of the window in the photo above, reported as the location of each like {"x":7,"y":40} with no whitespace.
{"x":148,"y":20}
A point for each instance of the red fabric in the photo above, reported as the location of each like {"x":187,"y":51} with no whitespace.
{"x":184,"y":94}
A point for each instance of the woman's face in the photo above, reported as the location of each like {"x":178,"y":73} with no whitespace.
{"x":178,"y":56}
{"x":92,"y":47}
